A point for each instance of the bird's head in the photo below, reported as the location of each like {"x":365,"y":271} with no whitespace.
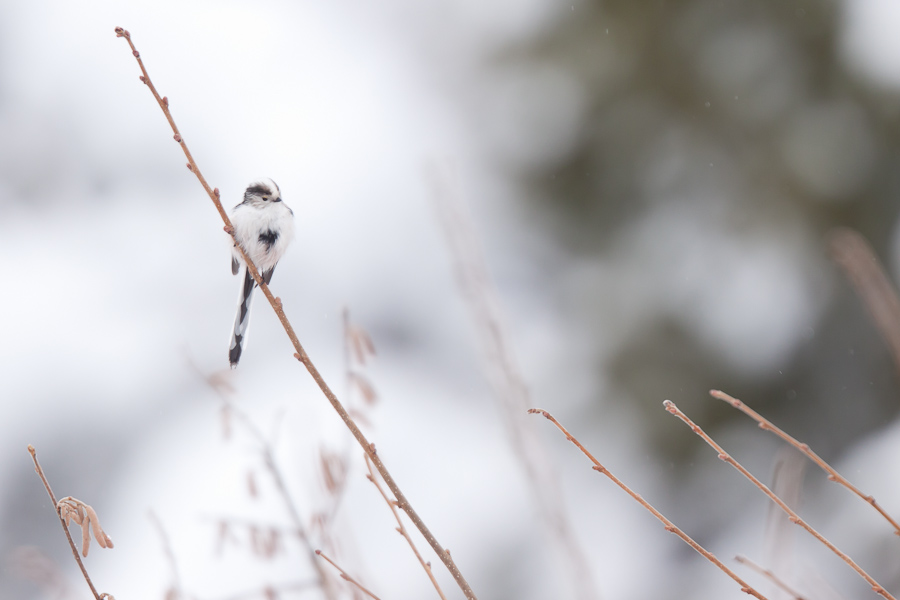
{"x":262,"y":191}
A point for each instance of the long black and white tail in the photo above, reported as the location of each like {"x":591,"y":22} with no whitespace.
{"x":241,"y":320}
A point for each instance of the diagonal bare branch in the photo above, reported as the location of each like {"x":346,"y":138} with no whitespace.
{"x":300,"y":353}
{"x":833,"y":475}
{"x":669,"y":525}
{"x":793,"y":516}
{"x":62,"y":521}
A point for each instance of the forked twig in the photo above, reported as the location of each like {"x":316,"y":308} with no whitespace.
{"x":401,"y":529}
{"x":669,"y":525}
{"x":768,"y":574}
{"x":40,"y":472}
{"x":792,"y":516}
{"x":275,"y":473}
{"x":347,"y":577}
{"x":300,"y":353}
{"x":833,"y":475}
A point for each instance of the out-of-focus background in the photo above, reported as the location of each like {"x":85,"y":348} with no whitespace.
{"x":652,"y":186}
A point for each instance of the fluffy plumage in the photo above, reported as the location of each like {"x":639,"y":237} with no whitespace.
{"x":264,"y":227}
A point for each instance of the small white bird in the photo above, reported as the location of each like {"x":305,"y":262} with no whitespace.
{"x":263,"y":226}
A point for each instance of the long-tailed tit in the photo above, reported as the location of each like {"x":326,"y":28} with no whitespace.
{"x":263,"y":226}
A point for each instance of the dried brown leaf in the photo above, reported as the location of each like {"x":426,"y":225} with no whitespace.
{"x":365,"y":387}
{"x":71,"y":509}
{"x":334,"y":471}
{"x":361,"y":343}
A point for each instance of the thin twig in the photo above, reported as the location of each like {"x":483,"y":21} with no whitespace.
{"x":275,"y":472}
{"x":669,"y":525}
{"x":833,"y":475}
{"x":510,"y":389}
{"x":768,"y":574}
{"x":345,"y":576}
{"x":278,"y":478}
{"x":300,"y":353}
{"x":793,"y":516}
{"x":40,"y":472}
{"x":401,"y":529}
{"x":170,"y":555}
{"x":853,"y":253}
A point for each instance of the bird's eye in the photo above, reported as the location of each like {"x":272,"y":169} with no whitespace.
{"x":265,"y":197}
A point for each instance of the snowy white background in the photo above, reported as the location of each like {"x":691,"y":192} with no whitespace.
{"x":117,"y":283}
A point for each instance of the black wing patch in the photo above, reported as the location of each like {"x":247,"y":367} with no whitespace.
{"x":268,"y":238}
{"x":235,"y":266}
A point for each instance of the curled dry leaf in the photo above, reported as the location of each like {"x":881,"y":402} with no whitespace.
{"x":72,"y":509}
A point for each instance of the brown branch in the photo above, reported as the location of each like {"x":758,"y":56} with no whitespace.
{"x":40,"y":472}
{"x":300,"y":353}
{"x":401,"y":529}
{"x":793,"y":516}
{"x":855,"y":256}
{"x":833,"y":475}
{"x":669,"y":525}
{"x":768,"y":574}
{"x":347,"y":577}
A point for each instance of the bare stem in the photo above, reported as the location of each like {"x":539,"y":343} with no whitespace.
{"x":300,"y":353}
{"x":401,"y":529}
{"x":277,"y":477}
{"x":792,"y":516}
{"x":833,"y":475}
{"x":853,"y":253}
{"x":507,"y":380}
{"x":170,"y":555}
{"x":669,"y":525}
{"x":347,"y":577}
{"x":40,"y":472}
{"x":768,"y":574}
